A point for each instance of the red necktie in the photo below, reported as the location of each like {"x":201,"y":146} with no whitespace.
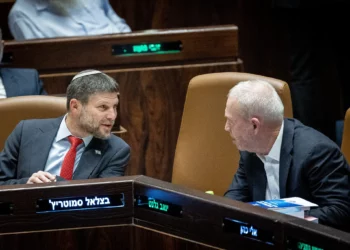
{"x":69,"y":159}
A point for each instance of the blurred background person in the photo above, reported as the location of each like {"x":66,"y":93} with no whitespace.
{"x":18,"y":82}
{"x":34,"y":19}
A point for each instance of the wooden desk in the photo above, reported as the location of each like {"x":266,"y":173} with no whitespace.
{"x":202,"y":44}
{"x":192,"y":220}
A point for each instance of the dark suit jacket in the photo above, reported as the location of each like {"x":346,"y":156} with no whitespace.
{"x":28,"y":146}
{"x":19,"y":82}
{"x":311,"y":167}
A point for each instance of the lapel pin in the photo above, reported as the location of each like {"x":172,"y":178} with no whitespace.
{"x":98,"y":152}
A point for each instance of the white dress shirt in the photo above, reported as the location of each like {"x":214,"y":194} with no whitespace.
{"x":272,"y":168}
{"x":2,"y":89}
{"x":33,"y":19}
{"x":60,"y":147}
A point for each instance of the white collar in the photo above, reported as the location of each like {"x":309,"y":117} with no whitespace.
{"x":275,"y":151}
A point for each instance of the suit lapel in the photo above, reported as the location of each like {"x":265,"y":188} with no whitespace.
{"x":259,"y":178}
{"x":90,"y":158}
{"x":41,"y":144}
{"x":10,"y":84}
{"x":286,"y":155}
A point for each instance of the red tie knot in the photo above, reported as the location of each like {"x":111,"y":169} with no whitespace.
{"x":74,"y":141}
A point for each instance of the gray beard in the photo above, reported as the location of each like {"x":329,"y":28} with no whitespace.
{"x":61,"y":7}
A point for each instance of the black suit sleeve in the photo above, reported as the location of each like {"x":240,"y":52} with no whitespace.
{"x":9,"y":158}
{"x":239,"y":189}
{"x":328,"y":176}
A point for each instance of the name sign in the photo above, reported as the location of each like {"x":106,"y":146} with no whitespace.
{"x":248,"y":230}
{"x":147,"y":48}
{"x":294,"y":244}
{"x":158,"y":205}
{"x":79,"y":203}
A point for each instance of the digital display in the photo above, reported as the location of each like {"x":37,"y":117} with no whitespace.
{"x":147,"y":48}
{"x":248,"y":231}
{"x":158,"y":205}
{"x":6,"y":208}
{"x":79,"y":203}
{"x":293,"y":244}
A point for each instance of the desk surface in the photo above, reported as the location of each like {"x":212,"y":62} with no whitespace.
{"x":201,"y":221}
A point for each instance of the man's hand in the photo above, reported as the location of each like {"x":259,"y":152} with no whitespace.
{"x":41,"y":177}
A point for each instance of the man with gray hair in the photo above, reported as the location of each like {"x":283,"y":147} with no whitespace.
{"x":283,"y":158}
{"x":78,"y":145}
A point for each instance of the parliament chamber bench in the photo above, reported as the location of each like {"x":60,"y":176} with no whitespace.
{"x":140,"y":212}
{"x":153,"y":69}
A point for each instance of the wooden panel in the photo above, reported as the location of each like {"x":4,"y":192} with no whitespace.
{"x":67,"y":54}
{"x":151,"y":106}
{"x":158,"y":240}
{"x":106,"y":238}
{"x":162,"y":14}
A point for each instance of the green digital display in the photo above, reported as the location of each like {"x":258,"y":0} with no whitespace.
{"x":158,"y":205}
{"x":294,"y":244}
{"x":305,"y":246}
{"x":144,"y":48}
{"x":147,"y":48}
{"x":152,"y":203}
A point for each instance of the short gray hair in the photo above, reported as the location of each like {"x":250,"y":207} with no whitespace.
{"x":88,"y":83}
{"x":258,"y":98}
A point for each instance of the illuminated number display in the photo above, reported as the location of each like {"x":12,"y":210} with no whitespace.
{"x":158,"y":205}
{"x":147,"y":48}
{"x":248,"y":231}
{"x":79,"y":203}
{"x":293,"y":244}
